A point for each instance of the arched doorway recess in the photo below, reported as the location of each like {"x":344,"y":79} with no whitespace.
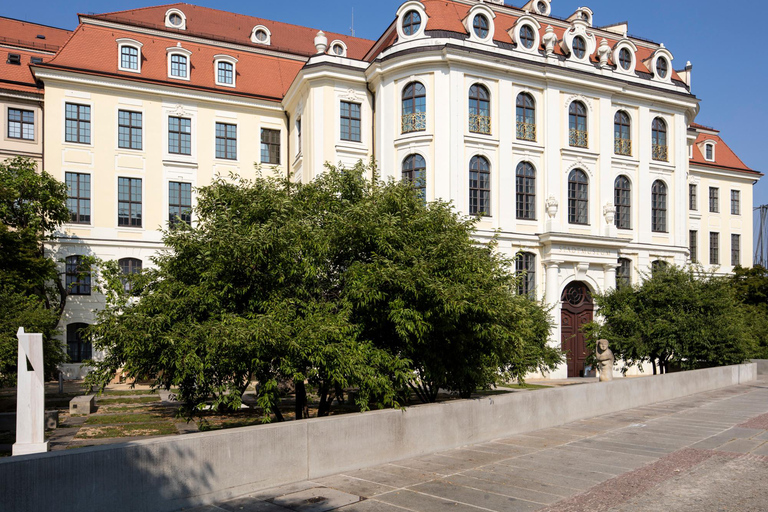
{"x":577,"y":310}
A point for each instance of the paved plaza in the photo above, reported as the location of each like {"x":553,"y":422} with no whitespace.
{"x":702,"y":452}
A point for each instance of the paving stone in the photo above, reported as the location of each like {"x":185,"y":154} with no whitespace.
{"x":370,"y":506}
{"x":743,"y":433}
{"x":248,"y":504}
{"x":319,"y":499}
{"x":573,"y":482}
{"x":274,"y":492}
{"x":378,"y":476}
{"x":566,"y":460}
{"x":741,"y":446}
{"x":509,"y":450}
{"x":423,"y":503}
{"x":584,"y":471}
{"x":354,"y":485}
{"x":487,"y":500}
{"x":505,"y":476}
{"x":505,"y":489}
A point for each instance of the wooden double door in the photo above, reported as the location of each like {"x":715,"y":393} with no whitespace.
{"x":577,"y":310}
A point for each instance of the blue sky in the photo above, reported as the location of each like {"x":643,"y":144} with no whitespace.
{"x":723,"y":41}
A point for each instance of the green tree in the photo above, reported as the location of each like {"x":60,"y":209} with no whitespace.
{"x":751,"y":288}
{"x":674,"y":317}
{"x":32,"y":207}
{"x":280,"y":281}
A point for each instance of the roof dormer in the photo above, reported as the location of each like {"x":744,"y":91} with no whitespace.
{"x":541,"y":7}
{"x":584,"y":14}
{"x":261,"y":35}
{"x":175,"y":18}
{"x":660,"y":65}
{"x":525,"y":34}
{"x":578,"y":42}
{"x":411,"y":20}
{"x":479,"y":23}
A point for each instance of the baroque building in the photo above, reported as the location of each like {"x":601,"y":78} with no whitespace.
{"x":575,"y":144}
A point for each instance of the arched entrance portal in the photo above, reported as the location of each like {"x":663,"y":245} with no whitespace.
{"x":577,"y":310}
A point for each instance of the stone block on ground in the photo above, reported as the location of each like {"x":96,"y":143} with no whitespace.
{"x":85,"y":404}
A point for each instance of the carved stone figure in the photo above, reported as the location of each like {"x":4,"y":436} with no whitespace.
{"x":551,"y":204}
{"x":604,"y":361}
{"x":549,"y":40}
{"x":603,"y":53}
{"x":609,"y":212}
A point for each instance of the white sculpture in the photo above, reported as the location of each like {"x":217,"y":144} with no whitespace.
{"x":30,"y":398}
{"x":549,"y":40}
{"x":321,"y":42}
{"x":604,"y":361}
{"x":609,"y":212}
{"x":551,"y":204}
{"x":603,"y":53}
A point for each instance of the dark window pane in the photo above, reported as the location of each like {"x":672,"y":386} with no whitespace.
{"x":129,"y":207}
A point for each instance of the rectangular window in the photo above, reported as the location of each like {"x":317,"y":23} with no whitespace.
{"x":735,"y":250}
{"x":350,"y":121}
{"x":179,"y":202}
{"x":226,"y":141}
{"x":226,"y":73}
{"x":298,"y":136}
{"x":270,"y":146}
{"x":129,"y":202}
{"x":179,"y":135}
{"x":77,"y":276}
{"x":714,"y":200}
{"x":128,"y":129}
{"x":77,"y":126}
{"x":129,"y":57}
{"x":693,"y":200}
{"x":21,"y":124}
{"x":735,"y":202}
{"x":179,"y":66}
{"x":693,"y":245}
{"x":714,"y":248}
{"x":78,"y":197}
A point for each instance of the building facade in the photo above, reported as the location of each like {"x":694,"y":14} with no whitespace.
{"x":576,"y":144}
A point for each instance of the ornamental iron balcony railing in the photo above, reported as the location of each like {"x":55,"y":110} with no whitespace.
{"x":526,"y":131}
{"x":622,"y":146}
{"x":480,"y":124}
{"x":660,"y":152}
{"x":578,"y":138}
{"x":415,"y":122}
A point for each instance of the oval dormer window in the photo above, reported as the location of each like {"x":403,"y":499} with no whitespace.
{"x":662,"y":67}
{"x":527,"y":37}
{"x":625,"y":59}
{"x":338,"y":49}
{"x":261,"y":35}
{"x":175,"y":19}
{"x":579,"y":47}
{"x":481,"y":26}
{"x":411,"y":23}
{"x":541,"y":7}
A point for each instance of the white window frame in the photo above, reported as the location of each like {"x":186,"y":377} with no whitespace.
{"x":340,"y":43}
{"x":628,"y":45}
{"x":257,"y":28}
{"x":469,"y":22}
{"x":658,"y":54}
{"x":178,"y":50}
{"x":530,"y":21}
{"x":168,"y":23}
{"x":131,"y":43}
{"x":713,"y":145}
{"x":229,"y":60}
{"x":404,"y":9}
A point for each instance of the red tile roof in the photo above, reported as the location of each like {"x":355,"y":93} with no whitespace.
{"x":232,"y":27}
{"x":24,"y":34}
{"x":725,"y":158}
{"x":448,"y":15}
{"x":92,"y":49}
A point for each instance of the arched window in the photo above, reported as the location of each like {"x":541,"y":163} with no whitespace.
{"x":411,"y":23}
{"x":624,"y":272}
{"x":129,"y":266}
{"x":579,"y":47}
{"x":78,"y":346}
{"x":179,"y":66}
{"x":578,"y":197}
{"x":625,"y":59}
{"x":622,"y":140}
{"x":526,"y":117}
{"x":658,"y":265}
{"x":414,"y":108}
{"x":659,"y":139}
{"x":659,"y":206}
{"x":525,"y":269}
{"x":479,"y":187}
{"x":577,"y":124}
{"x":480,"y":25}
{"x":526,"y":191}
{"x":662,"y":67}
{"x":415,"y":172}
{"x":479,"y":109}
{"x":622,"y":199}
{"x":78,"y":276}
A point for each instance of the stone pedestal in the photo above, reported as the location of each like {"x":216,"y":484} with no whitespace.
{"x":30,"y":399}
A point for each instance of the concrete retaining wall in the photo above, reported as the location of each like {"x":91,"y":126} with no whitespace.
{"x":169,"y":473}
{"x":762,"y":366}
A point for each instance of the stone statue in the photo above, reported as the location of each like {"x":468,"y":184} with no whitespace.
{"x":604,"y":361}
{"x":30,"y":396}
{"x":551,"y":204}
{"x":549,"y":40}
{"x":603,"y":53}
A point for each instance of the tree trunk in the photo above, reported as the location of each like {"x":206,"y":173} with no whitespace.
{"x":302,"y":409}
{"x":653,"y":362}
{"x":324,"y":408}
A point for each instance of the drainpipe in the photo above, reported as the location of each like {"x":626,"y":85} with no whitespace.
{"x":288,"y":163}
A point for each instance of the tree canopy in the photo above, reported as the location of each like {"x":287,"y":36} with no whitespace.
{"x":681,"y":317}
{"x":32,"y":206}
{"x":344,"y":282}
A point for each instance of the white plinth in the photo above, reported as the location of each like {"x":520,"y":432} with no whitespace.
{"x":27,"y":448}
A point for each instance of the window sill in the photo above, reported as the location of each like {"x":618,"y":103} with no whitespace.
{"x":129,"y":70}
{"x":180,"y":163}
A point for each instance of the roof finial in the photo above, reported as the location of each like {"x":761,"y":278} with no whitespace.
{"x":321,"y":42}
